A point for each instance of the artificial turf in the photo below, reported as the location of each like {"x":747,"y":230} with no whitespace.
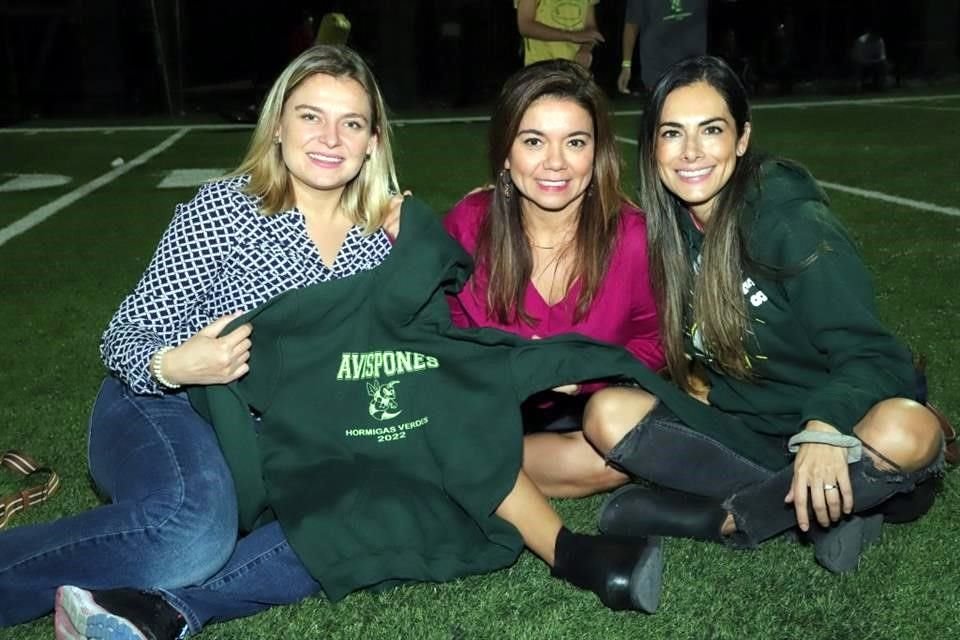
{"x":61,"y":281}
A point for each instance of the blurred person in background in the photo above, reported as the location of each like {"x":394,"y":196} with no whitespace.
{"x":869,"y":55}
{"x":668,"y":31}
{"x":558,"y":29}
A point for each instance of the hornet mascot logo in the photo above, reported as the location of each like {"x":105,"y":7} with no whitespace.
{"x":383,"y":400}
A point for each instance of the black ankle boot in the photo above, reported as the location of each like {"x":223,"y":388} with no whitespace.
{"x":837,"y":548}
{"x":907,"y":507}
{"x":637,"y":510}
{"x":625,"y":573}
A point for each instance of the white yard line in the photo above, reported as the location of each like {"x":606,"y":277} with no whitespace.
{"x":885,"y":197}
{"x":481,"y":118}
{"x":920,"y":106}
{"x":145,"y":127}
{"x":867,"y":193}
{"x":40,"y":214}
{"x":840,"y":102}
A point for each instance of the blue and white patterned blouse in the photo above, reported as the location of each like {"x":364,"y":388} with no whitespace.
{"x":220,"y":255}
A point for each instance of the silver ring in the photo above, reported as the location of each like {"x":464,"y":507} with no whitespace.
{"x":829,"y":487}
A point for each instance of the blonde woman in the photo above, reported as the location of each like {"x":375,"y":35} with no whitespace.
{"x":308,"y":204}
{"x":312,"y":202}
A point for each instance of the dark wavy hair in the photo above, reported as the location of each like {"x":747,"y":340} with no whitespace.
{"x":714,"y":298}
{"x":502,"y":245}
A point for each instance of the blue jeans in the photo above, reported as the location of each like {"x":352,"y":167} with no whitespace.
{"x":263,"y":572}
{"x":171,"y":520}
{"x":665,"y":451}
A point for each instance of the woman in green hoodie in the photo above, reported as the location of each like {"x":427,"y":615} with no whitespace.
{"x":761,"y":290}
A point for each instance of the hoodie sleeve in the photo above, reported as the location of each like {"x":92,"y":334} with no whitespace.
{"x":832,"y":297}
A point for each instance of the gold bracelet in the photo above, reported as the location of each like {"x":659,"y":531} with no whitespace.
{"x":156,"y":368}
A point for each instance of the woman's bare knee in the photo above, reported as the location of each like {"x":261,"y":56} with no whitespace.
{"x":603,"y":478}
{"x":567,"y":466}
{"x":902,"y":430}
{"x":611,"y":413}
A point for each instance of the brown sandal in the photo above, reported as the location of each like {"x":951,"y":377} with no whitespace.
{"x":26,"y":466}
{"x":951,"y":447}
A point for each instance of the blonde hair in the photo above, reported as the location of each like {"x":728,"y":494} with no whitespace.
{"x":366,"y":198}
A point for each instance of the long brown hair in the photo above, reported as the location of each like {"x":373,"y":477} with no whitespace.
{"x":713,"y":301}
{"x":502,"y":246}
{"x":366,"y":199}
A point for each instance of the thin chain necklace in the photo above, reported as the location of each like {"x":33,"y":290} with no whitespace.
{"x":560,"y":248}
{"x":540,"y":246}
{"x":552,"y":262}
{"x":562,"y":244}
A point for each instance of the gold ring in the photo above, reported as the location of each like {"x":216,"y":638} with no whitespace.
{"x":829,"y":487}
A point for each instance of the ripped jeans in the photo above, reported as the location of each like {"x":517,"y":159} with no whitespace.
{"x":663,"y":450}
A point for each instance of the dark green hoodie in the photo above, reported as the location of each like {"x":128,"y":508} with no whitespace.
{"x":385,"y":437}
{"x":817,"y":348}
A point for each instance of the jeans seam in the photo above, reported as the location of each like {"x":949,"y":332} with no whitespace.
{"x":193,"y":621}
{"x":105,"y":536}
{"x":181,"y":491}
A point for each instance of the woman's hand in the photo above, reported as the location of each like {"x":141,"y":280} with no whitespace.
{"x":820,"y":474}
{"x":484,"y":187}
{"x":584,"y":56}
{"x":589,"y":36}
{"x":569,"y":389}
{"x":391,"y":224}
{"x":206,"y":358}
{"x":623,"y":80}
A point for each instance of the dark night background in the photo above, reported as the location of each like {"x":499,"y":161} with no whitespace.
{"x":103,"y":57}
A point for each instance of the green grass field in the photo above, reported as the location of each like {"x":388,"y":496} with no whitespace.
{"x":61,"y":280}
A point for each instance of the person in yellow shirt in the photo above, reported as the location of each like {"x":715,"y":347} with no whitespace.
{"x":558,"y":29}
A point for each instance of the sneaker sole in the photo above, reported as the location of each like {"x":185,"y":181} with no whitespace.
{"x":63,"y":629}
{"x":78,"y":617}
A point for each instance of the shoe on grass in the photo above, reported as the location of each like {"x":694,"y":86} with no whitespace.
{"x":838,"y":548}
{"x":116,"y":614}
{"x":626,"y":573}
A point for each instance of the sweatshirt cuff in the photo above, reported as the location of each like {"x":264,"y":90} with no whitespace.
{"x":851,"y":443}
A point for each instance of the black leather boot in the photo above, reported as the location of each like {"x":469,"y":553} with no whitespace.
{"x":625,"y":573}
{"x":910,"y":506}
{"x":838,"y":548}
{"x":638,"y":510}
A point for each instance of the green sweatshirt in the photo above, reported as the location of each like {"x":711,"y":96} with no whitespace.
{"x":817,"y":348}
{"x":385,"y":438}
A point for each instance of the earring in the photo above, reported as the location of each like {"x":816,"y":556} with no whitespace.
{"x":590,"y":188}
{"x":276,"y":139}
{"x":366,"y":156}
{"x":506,"y":184}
